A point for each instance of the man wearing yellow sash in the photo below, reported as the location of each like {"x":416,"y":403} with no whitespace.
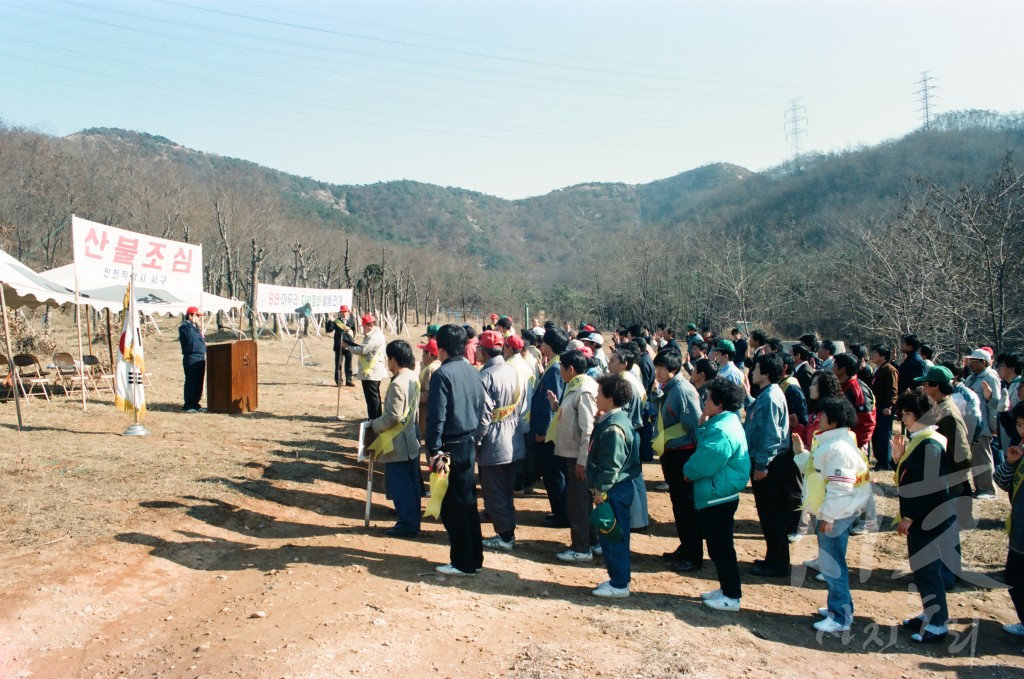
{"x":496,"y":437}
{"x":541,"y":416}
{"x":570,"y":431}
{"x":372,"y":363}
{"x":675,"y":440}
{"x":1010,"y":477}
{"x":397,"y":446}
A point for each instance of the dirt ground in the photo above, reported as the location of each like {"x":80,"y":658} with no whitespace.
{"x":223,"y":546}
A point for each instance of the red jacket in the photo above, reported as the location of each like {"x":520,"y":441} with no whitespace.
{"x":865,"y":415}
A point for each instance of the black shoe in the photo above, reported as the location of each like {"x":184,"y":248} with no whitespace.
{"x":396,"y":532}
{"x":758,"y":562}
{"x":762,"y":571}
{"x":685,"y":566}
{"x":674,"y":555}
{"x":349,"y":384}
{"x":555,"y":523}
{"x":913,"y":624}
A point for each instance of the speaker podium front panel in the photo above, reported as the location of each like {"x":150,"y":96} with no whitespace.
{"x":232,"y":377}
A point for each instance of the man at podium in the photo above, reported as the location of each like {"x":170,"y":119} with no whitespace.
{"x":193,"y":359}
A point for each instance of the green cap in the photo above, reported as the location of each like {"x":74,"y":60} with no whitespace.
{"x":726,"y":345}
{"x":691,"y":326}
{"x":431,"y":330}
{"x":938,"y":374}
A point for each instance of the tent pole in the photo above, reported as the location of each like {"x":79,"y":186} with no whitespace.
{"x":110,"y":342}
{"x":88,"y":328}
{"x":81,"y":357}
{"x":10,"y":361}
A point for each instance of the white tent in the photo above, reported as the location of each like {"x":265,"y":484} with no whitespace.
{"x":149,"y":301}
{"x":25,"y":287}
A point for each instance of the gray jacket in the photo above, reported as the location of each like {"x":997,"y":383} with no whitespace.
{"x":499,"y":422}
{"x":989,"y":407}
{"x":397,"y":407}
{"x":767,"y":427}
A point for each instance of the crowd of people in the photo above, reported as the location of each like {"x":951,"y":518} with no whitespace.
{"x":803,"y":424}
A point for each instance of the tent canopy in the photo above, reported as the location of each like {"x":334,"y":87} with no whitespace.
{"x":149,"y":301}
{"x":25,"y":287}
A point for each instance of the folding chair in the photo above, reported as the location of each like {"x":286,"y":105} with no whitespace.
{"x":66,"y":373}
{"x":95,"y":373}
{"x":7,"y":379}
{"x":30,"y":371}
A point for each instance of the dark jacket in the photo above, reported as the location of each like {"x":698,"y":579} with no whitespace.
{"x":614,"y":456}
{"x":193,"y":345}
{"x":342,"y":332}
{"x":885,"y":386}
{"x":911,"y":368}
{"x":540,"y":409}
{"x":455,"y":403}
{"x":921,"y":480}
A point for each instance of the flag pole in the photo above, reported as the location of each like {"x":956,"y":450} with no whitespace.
{"x":135,"y":429}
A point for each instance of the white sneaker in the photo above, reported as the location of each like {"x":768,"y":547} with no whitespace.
{"x":597,"y":550}
{"x":820,"y":577}
{"x":575,"y":557}
{"x":723,"y":603}
{"x":606,"y":591}
{"x":795,"y":537}
{"x":661,"y":486}
{"x":713,"y":594}
{"x":497,"y":543}
{"x":1016,"y":629}
{"x":449,"y":569}
{"x":831,"y":626}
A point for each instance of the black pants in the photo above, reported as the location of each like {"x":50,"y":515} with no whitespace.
{"x":1015,"y":581}
{"x":458,"y":509}
{"x":718,"y":523}
{"x":342,"y":367}
{"x":688,"y":526}
{"x":371,"y":391}
{"x":195,"y":372}
{"x":552,"y":470}
{"x":771,"y":497}
{"x":791,"y":478}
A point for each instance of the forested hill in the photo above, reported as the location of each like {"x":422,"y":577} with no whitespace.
{"x":716,"y":242}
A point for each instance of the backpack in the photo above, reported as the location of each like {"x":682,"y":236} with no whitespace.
{"x":869,"y":396}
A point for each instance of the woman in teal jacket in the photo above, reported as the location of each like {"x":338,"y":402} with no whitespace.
{"x":719,"y":469}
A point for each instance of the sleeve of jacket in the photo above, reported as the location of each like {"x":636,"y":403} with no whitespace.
{"x":690,"y":412}
{"x":710,"y":457}
{"x":437,"y":411}
{"x":1003,"y":475}
{"x":540,"y":409}
{"x":922,"y":486}
{"x":995,"y":403}
{"x":487,"y":379}
{"x":586,"y":413}
{"x":394,"y":409}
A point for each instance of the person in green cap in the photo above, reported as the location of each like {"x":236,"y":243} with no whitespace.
{"x":722,"y":354}
{"x":937,"y":384}
{"x":691,"y":335}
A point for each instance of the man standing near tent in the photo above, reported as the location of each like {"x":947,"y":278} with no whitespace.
{"x":193,"y":359}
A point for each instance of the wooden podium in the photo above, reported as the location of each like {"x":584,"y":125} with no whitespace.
{"x":231,"y":377}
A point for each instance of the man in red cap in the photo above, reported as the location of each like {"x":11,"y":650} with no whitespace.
{"x":193,"y":359}
{"x":342,"y":328}
{"x":373,"y":365}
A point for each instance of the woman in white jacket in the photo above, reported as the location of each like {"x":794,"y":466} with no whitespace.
{"x":836,"y":489}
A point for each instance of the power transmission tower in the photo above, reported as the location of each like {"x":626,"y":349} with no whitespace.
{"x":925,"y":98}
{"x":794,"y":128}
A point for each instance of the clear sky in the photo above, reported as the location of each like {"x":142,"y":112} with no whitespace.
{"x":511,"y":98}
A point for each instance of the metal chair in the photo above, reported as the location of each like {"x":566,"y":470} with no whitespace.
{"x":66,"y":373}
{"x":95,"y":373}
{"x":31,"y":372}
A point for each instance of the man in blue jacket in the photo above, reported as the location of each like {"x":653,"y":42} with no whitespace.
{"x":767,"y":431}
{"x":555,"y":481}
{"x":193,"y":359}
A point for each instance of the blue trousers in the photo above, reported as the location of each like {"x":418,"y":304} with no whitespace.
{"x":832,"y":564}
{"x":616,"y":554}
{"x":403,"y":482}
{"x":926,"y":557}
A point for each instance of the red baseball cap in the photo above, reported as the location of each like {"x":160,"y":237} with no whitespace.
{"x":367,"y":319}
{"x":489,"y":339}
{"x":344,"y":308}
{"x":430,"y":347}
{"x":192,"y":310}
{"x":494,"y":317}
{"x":515,"y":342}
{"x":587,"y":351}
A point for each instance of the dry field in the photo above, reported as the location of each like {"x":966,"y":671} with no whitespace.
{"x":223,"y":546}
